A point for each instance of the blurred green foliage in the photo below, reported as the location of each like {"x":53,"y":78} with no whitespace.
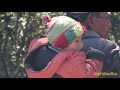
{"x":115,"y":31}
{"x":17,"y":29}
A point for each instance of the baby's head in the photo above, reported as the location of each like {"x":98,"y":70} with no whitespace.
{"x":64,"y":32}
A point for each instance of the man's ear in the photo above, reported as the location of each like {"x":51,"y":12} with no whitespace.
{"x":90,"y":19}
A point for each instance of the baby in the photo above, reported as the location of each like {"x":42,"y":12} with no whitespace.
{"x":65,"y":34}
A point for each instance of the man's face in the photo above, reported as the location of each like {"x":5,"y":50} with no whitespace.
{"x":102,"y":24}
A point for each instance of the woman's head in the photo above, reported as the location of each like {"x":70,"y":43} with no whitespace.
{"x":64,"y":32}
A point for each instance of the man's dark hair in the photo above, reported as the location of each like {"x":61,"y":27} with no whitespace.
{"x":95,"y":14}
{"x":82,"y":16}
{"x":78,"y":16}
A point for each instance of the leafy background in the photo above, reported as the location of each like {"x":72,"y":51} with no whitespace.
{"x":17,"y":29}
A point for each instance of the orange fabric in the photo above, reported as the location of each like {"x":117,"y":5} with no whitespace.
{"x":76,"y":66}
{"x":68,"y":64}
{"x":52,"y":67}
{"x":34,"y":44}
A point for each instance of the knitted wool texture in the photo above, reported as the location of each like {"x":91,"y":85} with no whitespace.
{"x":63,"y":30}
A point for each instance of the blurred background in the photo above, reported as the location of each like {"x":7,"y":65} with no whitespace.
{"x":17,"y":29}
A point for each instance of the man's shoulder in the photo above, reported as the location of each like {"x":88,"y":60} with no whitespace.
{"x":108,"y":41}
{"x":91,"y":34}
{"x":97,"y":39}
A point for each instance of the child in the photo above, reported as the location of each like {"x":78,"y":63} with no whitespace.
{"x":64,"y":34}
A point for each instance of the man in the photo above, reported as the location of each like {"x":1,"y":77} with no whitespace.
{"x":98,"y":26}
